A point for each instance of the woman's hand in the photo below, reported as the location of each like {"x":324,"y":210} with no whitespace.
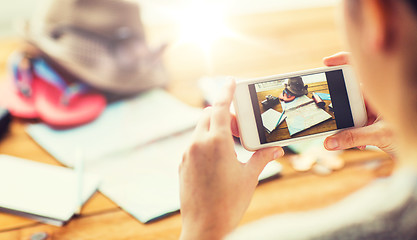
{"x":376,"y":133}
{"x":215,"y":188}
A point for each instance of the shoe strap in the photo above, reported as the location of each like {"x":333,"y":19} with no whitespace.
{"x":23,"y":77}
{"x":69,"y":92}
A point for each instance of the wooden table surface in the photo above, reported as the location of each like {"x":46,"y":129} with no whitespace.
{"x":268,"y":44}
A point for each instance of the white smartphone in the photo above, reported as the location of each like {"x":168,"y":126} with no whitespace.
{"x":282,"y":109}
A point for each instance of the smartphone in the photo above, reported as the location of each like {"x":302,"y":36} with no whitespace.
{"x":283,"y":109}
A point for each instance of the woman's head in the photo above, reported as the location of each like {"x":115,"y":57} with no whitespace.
{"x":382,"y":36}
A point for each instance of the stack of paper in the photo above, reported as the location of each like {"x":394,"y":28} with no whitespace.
{"x":40,"y":191}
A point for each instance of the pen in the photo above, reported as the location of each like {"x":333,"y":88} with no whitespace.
{"x":279,"y":120}
{"x":301,"y":105}
{"x":79,"y":170}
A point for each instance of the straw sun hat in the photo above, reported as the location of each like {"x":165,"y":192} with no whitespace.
{"x":296,"y":86}
{"x":100,"y":42}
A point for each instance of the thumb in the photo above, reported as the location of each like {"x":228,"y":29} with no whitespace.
{"x":370,"y":135}
{"x":262,"y":157}
{"x":337,"y":59}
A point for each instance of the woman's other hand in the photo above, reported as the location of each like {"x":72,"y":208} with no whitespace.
{"x":376,"y":133}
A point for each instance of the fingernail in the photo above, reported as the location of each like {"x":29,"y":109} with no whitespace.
{"x":332,"y":143}
{"x":278,"y":153}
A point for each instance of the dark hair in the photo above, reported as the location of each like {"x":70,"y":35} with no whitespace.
{"x":353,"y":6}
{"x":413,"y":4}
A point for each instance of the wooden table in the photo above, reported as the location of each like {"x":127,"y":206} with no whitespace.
{"x":269,"y":44}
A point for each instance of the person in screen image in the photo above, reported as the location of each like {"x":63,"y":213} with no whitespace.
{"x":216,"y":189}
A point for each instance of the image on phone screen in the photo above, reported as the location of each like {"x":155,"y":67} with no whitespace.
{"x":299,"y":106}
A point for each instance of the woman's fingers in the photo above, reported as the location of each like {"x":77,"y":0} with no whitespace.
{"x":220,"y":115}
{"x":262,"y":157}
{"x":337,"y":59}
{"x":203,"y":124}
{"x":376,"y":134}
{"x":234,"y":126}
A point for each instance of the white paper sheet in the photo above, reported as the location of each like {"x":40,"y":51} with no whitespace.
{"x":270,"y":119}
{"x":44,"y":190}
{"x":145,"y":181}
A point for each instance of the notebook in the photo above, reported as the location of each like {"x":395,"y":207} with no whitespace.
{"x":41,"y":191}
{"x":271,"y":119}
{"x":302,"y":113}
{"x":324,"y":96}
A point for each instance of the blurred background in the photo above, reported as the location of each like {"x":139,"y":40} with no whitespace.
{"x":154,"y":9}
{"x":218,"y":37}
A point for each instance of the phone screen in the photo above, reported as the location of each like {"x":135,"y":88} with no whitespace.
{"x":300,"y":106}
